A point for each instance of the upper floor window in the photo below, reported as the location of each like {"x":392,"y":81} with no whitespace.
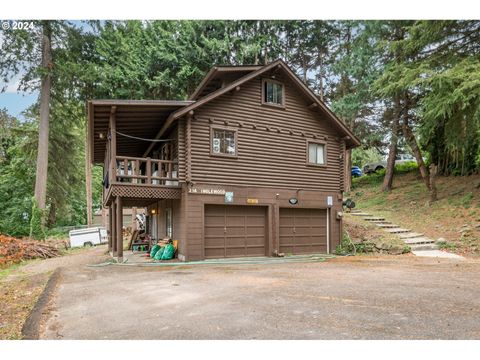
{"x":316,"y":154}
{"x":273,"y":93}
{"x":224,"y":142}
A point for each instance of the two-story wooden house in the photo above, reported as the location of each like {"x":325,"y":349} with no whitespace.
{"x":250,"y":165}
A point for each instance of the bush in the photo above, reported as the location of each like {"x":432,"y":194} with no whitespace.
{"x":406,"y":167}
{"x":345,"y":247}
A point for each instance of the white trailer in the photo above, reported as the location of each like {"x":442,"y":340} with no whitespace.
{"x":90,"y":236}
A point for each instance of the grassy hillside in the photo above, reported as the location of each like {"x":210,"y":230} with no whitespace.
{"x":454,"y":217}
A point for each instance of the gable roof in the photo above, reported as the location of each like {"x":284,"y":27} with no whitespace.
{"x":351,"y":139}
{"x":218,"y":72}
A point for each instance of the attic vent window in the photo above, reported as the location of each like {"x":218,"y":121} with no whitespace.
{"x":273,"y":93}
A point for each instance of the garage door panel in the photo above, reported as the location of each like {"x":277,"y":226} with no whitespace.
{"x":214,"y":253}
{"x":302,"y":231}
{"x":216,"y":241}
{"x":255,"y":221}
{"x":239,"y":229}
{"x":256,"y":230}
{"x":235,"y":231}
{"x":287,"y":250}
{"x":235,"y":241}
{"x":235,"y":221}
{"x":256,"y":241}
{"x":256,"y":251}
{"x":215,"y":220}
{"x":214,"y":231}
{"x":236,"y":252}
{"x":286,"y":220}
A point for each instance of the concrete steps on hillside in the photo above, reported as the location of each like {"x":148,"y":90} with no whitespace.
{"x":418,"y":242}
{"x":410,"y":235}
{"x":360,"y":214}
{"x":397,"y":230}
{"x":422,"y":247}
{"x":388,"y":225}
{"x":375,"y":219}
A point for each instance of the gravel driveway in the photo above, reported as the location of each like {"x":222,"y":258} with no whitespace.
{"x":401,"y":297}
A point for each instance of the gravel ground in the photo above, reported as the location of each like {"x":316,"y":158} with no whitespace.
{"x":365,"y":297}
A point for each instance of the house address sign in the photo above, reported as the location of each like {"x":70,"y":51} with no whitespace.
{"x":206,"y":191}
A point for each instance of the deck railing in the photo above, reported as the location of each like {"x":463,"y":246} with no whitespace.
{"x":146,"y":171}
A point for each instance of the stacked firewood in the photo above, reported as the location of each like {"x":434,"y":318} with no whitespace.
{"x":14,"y":250}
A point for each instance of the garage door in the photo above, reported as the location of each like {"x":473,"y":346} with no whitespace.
{"x":234,"y":231}
{"x":303,"y":231}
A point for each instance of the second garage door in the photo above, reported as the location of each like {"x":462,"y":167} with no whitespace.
{"x":303,"y":231}
{"x":234,"y":231}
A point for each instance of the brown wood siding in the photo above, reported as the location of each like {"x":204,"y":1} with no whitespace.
{"x":234,"y":231}
{"x":271,"y":142}
{"x":181,"y":150}
{"x":272,"y":198}
{"x":303,"y":231}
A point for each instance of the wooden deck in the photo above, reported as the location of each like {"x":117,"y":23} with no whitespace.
{"x":139,"y":181}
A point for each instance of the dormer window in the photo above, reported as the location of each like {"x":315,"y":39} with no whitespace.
{"x":273,"y":93}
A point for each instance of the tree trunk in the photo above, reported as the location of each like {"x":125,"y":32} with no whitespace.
{"x":320,"y":73}
{"x":433,"y":187}
{"x":46,"y":83}
{"x":392,"y":150}
{"x":88,"y":179}
{"x":412,"y":142}
{"x":427,"y":176}
{"x":52,"y":214}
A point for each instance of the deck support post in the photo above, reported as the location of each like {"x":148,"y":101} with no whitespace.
{"x":119,"y":229}
{"x":114,"y":227}
{"x":110,"y":229}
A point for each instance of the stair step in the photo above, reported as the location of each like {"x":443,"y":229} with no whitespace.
{"x":423,"y":247}
{"x":410,"y":235}
{"x":355,"y":211}
{"x":379,"y":221}
{"x":397,"y":230}
{"x":361,"y":214}
{"x":419,"y":240}
{"x":375,"y":218}
{"x":387,"y":225}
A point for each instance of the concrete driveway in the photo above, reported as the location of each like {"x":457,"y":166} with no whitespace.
{"x":402,"y":297}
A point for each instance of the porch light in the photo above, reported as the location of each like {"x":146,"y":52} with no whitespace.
{"x":153,"y":211}
{"x":101,"y":135}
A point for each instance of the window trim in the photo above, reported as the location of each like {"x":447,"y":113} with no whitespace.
{"x":219,"y":127}
{"x":278,"y":106}
{"x":168,"y":210}
{"x":325,"y":152}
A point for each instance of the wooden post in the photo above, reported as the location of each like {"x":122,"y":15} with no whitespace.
{"x":113,"y":145}
{"x":110,"y":228}
{"x":119,"y":229}
{"x":113,"y":221}
{"x":134,"y":218}
{"x":88,"y":176}
{"x":149,"y":170}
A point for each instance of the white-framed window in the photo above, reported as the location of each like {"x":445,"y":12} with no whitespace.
{"x":168,"y":223}
{"x":273,"y":93}
{"x":317,"y":153}
{"x":224,"y":142}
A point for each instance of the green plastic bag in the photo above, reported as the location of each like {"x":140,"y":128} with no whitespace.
{"x":155,"y":248}
{"x":168,"y":252}
{"x":158,"y":255}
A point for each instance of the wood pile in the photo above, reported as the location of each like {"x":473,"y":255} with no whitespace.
{"x":13,"y":250}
